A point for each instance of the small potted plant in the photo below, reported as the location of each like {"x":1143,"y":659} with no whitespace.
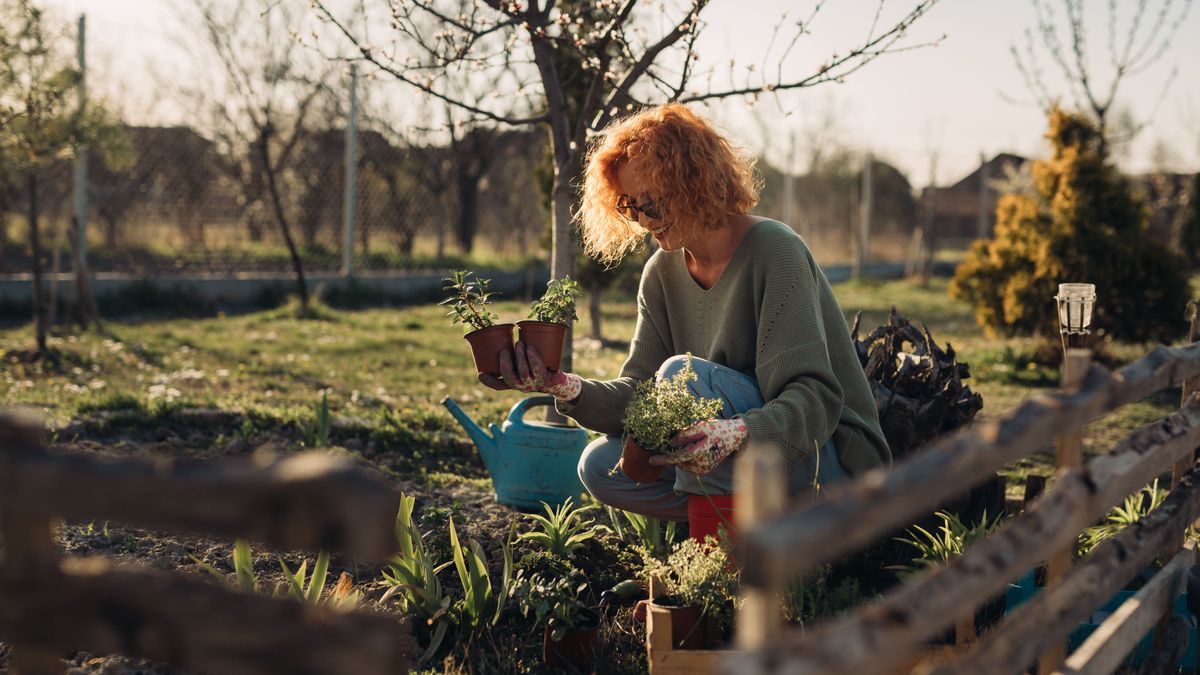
{"x":658,"y":410}
{"x":572,"y":629}
{"x":468,"y":300}
{"x":549,"y":317}
{"x":700,"y":586}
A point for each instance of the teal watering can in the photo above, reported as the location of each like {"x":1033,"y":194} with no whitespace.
{"x":530,"y":462}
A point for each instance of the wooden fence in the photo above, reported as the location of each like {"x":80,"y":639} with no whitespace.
{"x":893,"y":633}
{"x":308,"y":501}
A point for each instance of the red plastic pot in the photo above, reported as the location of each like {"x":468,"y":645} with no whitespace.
{"x":546,"y":337}
{"x":487,"y":344}
{"x":707,"y":514}
{"x":635,"y":463}
{"x":577,"y":648}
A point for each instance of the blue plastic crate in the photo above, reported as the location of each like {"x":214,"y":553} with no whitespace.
{"x":1024,"y":589}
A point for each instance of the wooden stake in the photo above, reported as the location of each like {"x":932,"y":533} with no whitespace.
{"x":760,"y":485}
{"x":1068,"y":455}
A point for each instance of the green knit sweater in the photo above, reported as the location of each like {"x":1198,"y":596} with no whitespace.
{"x":771,"y":315}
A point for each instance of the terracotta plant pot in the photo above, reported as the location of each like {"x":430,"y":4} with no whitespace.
{"x":546,"y":337}
{"x":486,"y":345}
{"x":689,"y":628}
{"x":635,"y":462}
{"x":577,"y":648}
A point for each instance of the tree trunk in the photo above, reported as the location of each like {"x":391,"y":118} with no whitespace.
{"x":562,"y":260}
{"x":468,"y":212}
{"x":281,"y":218}
{"x":594,"y":307}
{"x":88,"y":311}
{"x":41,"y":321}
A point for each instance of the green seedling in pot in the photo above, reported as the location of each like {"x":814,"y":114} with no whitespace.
{"x":468,"y":300}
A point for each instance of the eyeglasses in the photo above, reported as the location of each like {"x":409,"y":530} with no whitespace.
{"x":630,"y":211}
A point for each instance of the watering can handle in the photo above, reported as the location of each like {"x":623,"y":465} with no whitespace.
{"x":517,"y":414}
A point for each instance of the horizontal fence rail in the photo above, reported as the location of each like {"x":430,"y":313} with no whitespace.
{"x":899,"y":631}
{"x":878,"y":503}
{"x":307,"y":501}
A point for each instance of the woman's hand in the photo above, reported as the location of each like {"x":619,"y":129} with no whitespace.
{"x":530,"y":374}
{"x":704,"y":445}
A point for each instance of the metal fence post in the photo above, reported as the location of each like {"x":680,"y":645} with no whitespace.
{"x":350,"y":196}
{"x":81,"y":164}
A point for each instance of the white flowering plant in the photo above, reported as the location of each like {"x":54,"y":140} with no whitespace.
{"x":698,"y":574}
{"x":661,"y":408}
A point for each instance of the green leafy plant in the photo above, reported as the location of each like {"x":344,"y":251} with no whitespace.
{"x":413,"y":575}
{"x":482,"y":601}
{"x":698,"y":574}
{"x":660,"y":408}
{"x":564,"y":529}
{"x":949,"y":541}
{"x":1135,"y":507}
{"x":316,"y":432}
{"x":650,"y":534}
{"x":557,"y":304}
{"x":553,"y":599}
{"x":816,"y":597}
{"x":469,"y":297}
{"x":297,"y":589}
{"x":243,"y":568}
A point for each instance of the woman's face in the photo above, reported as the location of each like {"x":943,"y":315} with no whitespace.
{"x":641,"y":207}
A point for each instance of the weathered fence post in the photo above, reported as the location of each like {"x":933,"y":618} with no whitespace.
{"x":1068,"y":455}
{"x":29,"y":549}
{"x":761,"y":489}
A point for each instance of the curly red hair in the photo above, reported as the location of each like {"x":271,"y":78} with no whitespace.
{"x":695,"y":175}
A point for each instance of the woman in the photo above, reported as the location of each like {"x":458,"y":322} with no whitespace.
{"x":740,"y":292}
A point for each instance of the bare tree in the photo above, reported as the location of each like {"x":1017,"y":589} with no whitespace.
{"x":262,"y":106}
{"x":1063,"y":40}
{"x":517,"y":46}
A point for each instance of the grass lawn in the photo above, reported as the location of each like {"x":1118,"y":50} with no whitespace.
{"x":385,"y":372}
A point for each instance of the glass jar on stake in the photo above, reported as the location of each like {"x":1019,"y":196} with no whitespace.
{"x":1075,"y":305}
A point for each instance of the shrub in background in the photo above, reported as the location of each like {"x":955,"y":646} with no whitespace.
{"x":1082,"y":225}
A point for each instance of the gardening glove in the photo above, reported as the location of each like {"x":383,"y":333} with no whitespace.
{"x":704,"y":445}
{"x":531,"y":375}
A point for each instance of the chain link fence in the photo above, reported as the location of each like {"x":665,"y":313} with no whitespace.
{"x":172,"y":201}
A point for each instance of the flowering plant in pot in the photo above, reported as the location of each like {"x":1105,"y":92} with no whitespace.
{"x":701,"y":586}
{"x":549,"y":317}
{"x":468,"y":301}
{"x":572,"y":629}
{"x":657,"y":411}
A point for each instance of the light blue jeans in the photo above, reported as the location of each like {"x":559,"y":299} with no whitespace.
{"x":667,"y":497}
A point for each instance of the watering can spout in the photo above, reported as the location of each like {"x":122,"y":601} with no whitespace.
{"x":488,"y":445}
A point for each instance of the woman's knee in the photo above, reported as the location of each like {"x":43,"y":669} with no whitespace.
{"x":678,"y":362}
{"x":598,"y":458}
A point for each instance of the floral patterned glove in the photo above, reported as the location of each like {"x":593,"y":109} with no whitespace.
{"x":532,"y":375}
{"x":705,"y":444}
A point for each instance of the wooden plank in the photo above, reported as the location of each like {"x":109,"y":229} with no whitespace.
{"x":888,"y":631}
{"x":1116,"y":637}
{"x":1068,"y":455}
{"x":197,"y":625}
{"x":760,"y":483}
{"x":29,"y":548}
{"x":877,"y":503}
{"x":310,"y":501}
{"x":686,"y":662}
{"x":1051,"y":615}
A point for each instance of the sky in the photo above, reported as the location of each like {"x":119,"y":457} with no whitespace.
{"x":958,"y":99}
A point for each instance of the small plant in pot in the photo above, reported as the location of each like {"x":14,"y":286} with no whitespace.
{"x":468,"y":300}
{"x":700,"y":585}
{"x":572,"y":629}
{"x":658,"y":410}
{"x":549,"y":317}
